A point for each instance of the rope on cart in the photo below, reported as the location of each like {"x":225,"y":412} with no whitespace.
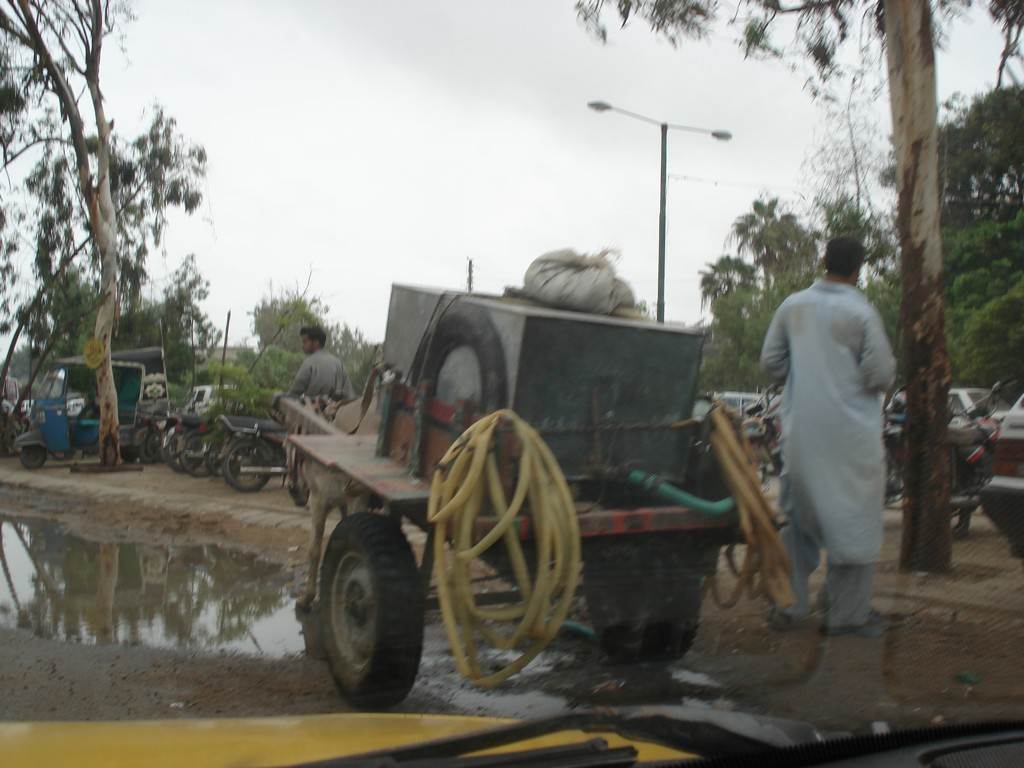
{"x":466,"y":481}
{"x":765,"y":555}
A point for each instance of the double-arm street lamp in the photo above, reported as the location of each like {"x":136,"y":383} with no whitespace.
{"x":603,"y":106}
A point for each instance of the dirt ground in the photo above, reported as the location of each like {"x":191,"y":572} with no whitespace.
{"x":952,"y":652}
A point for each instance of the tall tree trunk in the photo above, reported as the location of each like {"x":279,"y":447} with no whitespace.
{"x":105,"y":233}
{"x":927,"y":536}
{"x":103,"y":218}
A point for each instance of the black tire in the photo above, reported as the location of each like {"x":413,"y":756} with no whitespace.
{"x":213,"y":456}
{"x":371,"y":608}
{"x":130,"y":454}
{"x":468,"y":325}
{"x":32,"y":456}
{"x":169,"y":453}
{"x":151,"y":446}
{"x":193,"y":456}
{"x":658,"y":641}
{"x":242,"y":452}
{"x":644,"y":591}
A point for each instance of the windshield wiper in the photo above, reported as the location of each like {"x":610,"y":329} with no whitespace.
{"x":693,"y":730}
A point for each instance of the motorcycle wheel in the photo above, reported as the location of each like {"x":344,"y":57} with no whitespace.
{"x":242,"y":453}
{"x":193,"y":455}
{"x":151,"y":444}
{"x":172,"y":454}
{"x":214,"y":458}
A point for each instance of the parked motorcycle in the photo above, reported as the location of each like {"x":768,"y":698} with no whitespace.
{"x":253,"y":453}
{"x":971,"y":440}
{"x":177,"y":429}
{"x":763,"y":426}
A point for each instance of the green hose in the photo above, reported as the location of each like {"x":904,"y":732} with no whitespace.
{"x":577,"y":628}
{"x":667,"y":491}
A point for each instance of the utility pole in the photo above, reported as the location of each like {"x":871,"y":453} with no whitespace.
{"x":661,"y":223}
{"x":720,"y":135}
{"x":469,"y":276}
{"x":224,"y":351}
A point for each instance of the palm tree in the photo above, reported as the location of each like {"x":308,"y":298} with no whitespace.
{"x":724,"y":276}
{"x":775,"y":241}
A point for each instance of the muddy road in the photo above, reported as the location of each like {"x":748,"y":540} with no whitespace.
{"x":164,"y":600}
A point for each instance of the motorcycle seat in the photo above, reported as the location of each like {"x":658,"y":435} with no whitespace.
{"x":964,"y":436}
{"x":251,"y":424}
{"x":190,"y":420}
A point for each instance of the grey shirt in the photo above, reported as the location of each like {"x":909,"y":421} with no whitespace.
{"x":321,"y":373}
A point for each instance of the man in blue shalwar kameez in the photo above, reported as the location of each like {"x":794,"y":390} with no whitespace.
{"x":828,"y":345}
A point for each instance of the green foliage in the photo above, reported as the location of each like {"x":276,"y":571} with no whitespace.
{"x":993,"y":347}
{"x":741,"y":318}
{"x":155,"y":172}
{"x":842,"y":216}
{"x":275,"y":368}
{"x":985,"y":261}
{"x":276,"y":321}
{"x":356,"y":353}
{"x":982,"y":158}
{"x":774,"y":239}
{"x":724,"y":276}
{"x":884,"y":291}
{"x":240,"y":395}
{"x":187,"y":330}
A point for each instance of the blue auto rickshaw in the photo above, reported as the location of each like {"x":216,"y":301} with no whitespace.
{"x":64,"y":422}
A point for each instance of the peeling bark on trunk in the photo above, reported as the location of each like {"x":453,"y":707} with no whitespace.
{"x":105,"y":232}
{"x":103,"y":218}
{"x":927,"y":536}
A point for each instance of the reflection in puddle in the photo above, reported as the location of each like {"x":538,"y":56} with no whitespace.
{"x":192,"y":597}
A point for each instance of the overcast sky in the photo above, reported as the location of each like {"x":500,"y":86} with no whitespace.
{"x":390,"y":141}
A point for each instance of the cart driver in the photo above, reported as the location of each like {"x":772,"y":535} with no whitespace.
{"x":321,"y":373}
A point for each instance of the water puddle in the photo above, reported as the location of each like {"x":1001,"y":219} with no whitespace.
{"x":69,"y":588}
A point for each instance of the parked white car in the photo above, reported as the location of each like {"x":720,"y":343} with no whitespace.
{"x":963,"y":399}
{"x":200,"y":399}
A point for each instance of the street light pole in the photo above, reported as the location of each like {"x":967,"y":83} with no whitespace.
{"x":661,"y":223}
{"x":603,"y":106}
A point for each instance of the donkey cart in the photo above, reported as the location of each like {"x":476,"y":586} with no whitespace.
{"x":566,"y":436}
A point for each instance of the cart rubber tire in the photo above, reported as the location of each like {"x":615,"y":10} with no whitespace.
{"x":192,"y":466}
{"x":369,"y":560}
{"x":32,"y":456}
{"x":236,"y":481}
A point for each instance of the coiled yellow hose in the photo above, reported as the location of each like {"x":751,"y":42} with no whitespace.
{"x":465,"y":485}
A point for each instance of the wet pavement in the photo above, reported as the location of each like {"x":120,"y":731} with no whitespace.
{"x":62,"y":586}
{"x":113,"y":610}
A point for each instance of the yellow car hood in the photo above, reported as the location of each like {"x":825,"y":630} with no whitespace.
{"x":255,"y":741}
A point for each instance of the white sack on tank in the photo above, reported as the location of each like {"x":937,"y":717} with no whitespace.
{"x":578,"y":281}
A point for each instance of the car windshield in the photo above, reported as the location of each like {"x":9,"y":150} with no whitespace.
{"x":420,"y":318}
